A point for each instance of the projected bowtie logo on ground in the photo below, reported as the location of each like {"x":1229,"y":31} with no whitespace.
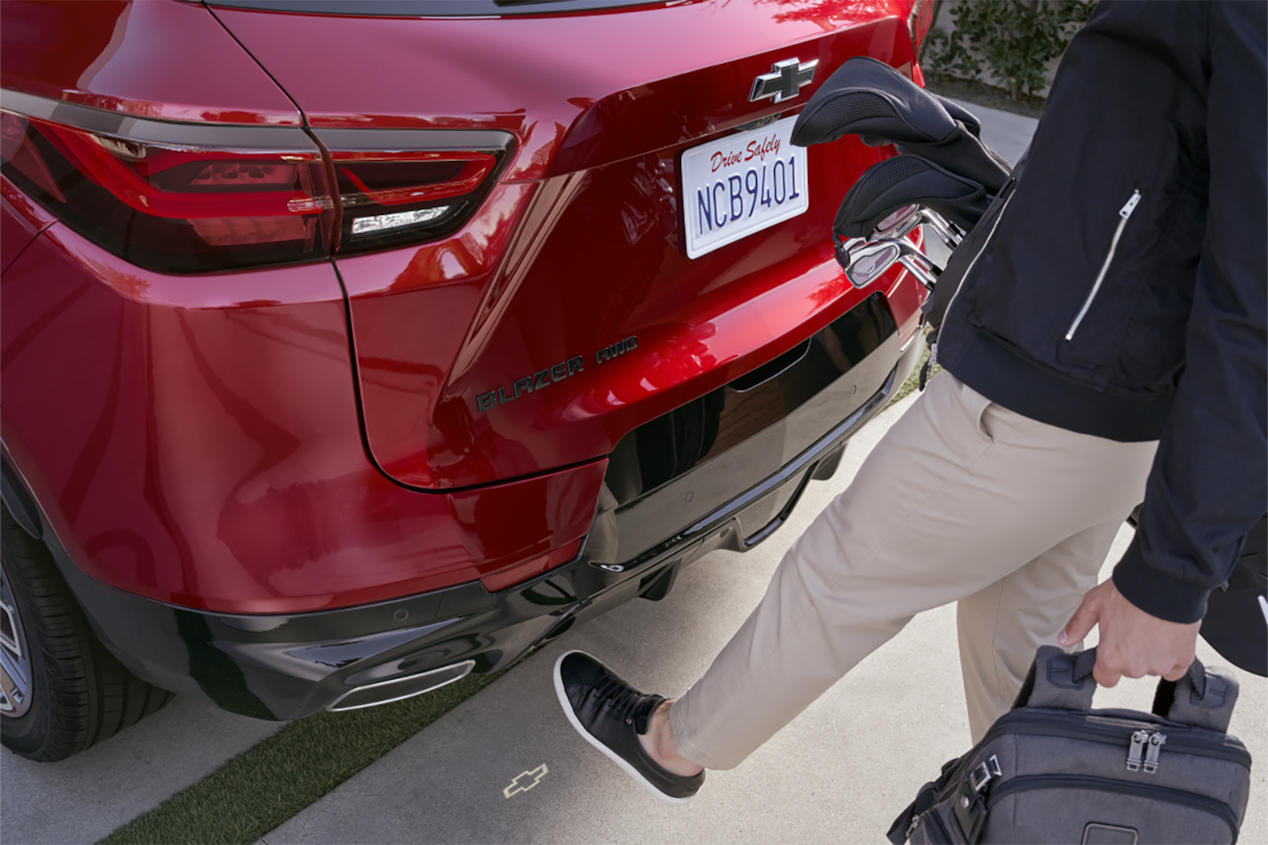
{"x":525,"y":781}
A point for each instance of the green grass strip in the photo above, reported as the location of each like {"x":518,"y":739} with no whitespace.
{"x":274,"y":780}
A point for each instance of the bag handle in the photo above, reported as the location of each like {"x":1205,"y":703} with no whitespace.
{"x":1203,"y":697}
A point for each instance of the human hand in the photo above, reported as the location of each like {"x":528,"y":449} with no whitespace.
{"x":1133,"y":643}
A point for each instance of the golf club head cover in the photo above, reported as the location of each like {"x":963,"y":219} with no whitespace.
{"x":869,"y":98}
{"x":908,"y":180}
{"x":968,"y":118}
{"x":957,"y":111}
{"x":960,"y":113}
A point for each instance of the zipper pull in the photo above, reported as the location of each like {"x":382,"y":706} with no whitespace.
{"x":1156,"y":742}
{"x":1126,"y":211}
{"x":1137,"y":750}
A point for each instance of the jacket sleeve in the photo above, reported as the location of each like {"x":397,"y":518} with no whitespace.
{"x":1209,"y":481}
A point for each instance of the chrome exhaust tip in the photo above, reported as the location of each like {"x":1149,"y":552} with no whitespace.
{"x":396,"y":689}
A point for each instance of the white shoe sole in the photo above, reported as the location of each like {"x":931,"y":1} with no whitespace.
{"x":611,"y":755}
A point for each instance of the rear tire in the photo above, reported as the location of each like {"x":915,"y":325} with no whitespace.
{"x":74,"y":693}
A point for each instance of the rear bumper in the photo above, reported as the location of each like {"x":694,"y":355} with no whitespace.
{"x":288,"y":666}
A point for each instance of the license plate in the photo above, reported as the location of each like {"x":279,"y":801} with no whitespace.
{"x":741,"y":184}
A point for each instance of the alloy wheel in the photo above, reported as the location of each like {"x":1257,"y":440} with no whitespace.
{"x":15,"y":655}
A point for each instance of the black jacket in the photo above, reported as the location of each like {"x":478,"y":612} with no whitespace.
{"x":1123,"y":291}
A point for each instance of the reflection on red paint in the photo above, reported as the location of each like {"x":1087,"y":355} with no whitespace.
{"x":146,"y":59}
{"x":521,"y":572}
{"x":220,"y":464}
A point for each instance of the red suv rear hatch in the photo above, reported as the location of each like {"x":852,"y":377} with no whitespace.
{"x":564,"y":310}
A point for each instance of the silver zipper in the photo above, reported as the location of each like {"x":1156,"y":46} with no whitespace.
{"x":1124,"y":214}
{"x":1156,"y":741}
{"x":1145,"y":748}
{"x":1137,"y":750}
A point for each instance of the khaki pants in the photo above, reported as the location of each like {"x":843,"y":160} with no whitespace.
{"x":962,"y":500}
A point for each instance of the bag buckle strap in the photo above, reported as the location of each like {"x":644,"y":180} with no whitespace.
{"x":985,"y":772}
{"x":970,"y":799}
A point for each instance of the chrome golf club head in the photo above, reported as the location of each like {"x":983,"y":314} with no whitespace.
{"x":903,"y":220}
{"x":898,"y":224}
{"x":864,"y":261}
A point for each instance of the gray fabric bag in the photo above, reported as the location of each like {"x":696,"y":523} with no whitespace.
{"x":1054,"y":770}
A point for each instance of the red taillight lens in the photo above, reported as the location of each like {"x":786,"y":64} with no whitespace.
{"x":406,"y":186}
{"x":918,"y":22}
{"x":191,"y":198}
{"x":419,"y":178}
{"x":172,"y":197}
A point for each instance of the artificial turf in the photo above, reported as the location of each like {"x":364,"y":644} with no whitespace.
{"x":274,"y":780}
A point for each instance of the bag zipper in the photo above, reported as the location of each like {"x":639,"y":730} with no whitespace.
{"x":1124,"y":215}
{"x":1136,"y":752}
{"x":1021,"y":721}
{"x":1028,"y":783}
{"x":938,"y":833}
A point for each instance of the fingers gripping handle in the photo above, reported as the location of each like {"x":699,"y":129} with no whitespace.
{"x":1204,"y":697}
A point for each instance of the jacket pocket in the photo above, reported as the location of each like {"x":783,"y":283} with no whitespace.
{"x":1124,"y":215}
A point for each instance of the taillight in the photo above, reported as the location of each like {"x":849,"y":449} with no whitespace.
{"x":169,"y":196}
{"x":406,"y":186}
{"x":202,"y":197}
{"x":918,"y":22}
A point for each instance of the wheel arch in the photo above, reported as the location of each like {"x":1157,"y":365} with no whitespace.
{"x":18,"y":498}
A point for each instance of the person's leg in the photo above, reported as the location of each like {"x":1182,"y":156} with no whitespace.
{"x":1001,"y":626}
{"x":957,"y":495}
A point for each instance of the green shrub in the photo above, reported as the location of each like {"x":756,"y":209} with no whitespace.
{"x":1014,"y":39}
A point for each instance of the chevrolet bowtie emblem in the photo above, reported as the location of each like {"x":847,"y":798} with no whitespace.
{"x":784,"y":80}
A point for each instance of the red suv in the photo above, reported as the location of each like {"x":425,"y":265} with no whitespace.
{"x":350,"y":346}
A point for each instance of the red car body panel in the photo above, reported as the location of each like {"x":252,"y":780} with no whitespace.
{"x":422,"y":421}
{"x":20,"y":221}
{"x":600,"y":123}
{"x":152,"y":59}
{"x":574,"y":94}
{"x":221,"y":464}
{"x":308,"y":437}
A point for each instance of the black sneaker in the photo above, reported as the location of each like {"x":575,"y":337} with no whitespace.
{"x":610,"y":715}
